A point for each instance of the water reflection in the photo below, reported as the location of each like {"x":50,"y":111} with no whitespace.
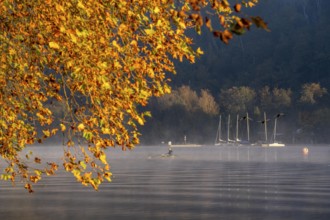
{"x":199,"y":183}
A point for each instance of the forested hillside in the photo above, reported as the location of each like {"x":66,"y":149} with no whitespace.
{"x":290,"y":65}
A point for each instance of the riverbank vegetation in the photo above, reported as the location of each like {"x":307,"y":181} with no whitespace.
{"x":194,"y":114}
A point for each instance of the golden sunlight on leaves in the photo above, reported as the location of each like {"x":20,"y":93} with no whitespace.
{"x":86,"y":67}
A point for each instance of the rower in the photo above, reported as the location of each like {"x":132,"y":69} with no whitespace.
{"x":170,"y":151}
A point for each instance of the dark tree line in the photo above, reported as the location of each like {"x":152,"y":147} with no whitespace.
{"x":186,"y":112}
{"x":261,"y":72}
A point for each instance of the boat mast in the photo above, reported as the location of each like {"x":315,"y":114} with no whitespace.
{"x":247,"y":127}
{"x":265,"y":122}
{"x":228,"y":128}
{"x":275,"y":129}
{"x":220,"y":128}
{"x":237,"y":118}
{"x":218,"y":136}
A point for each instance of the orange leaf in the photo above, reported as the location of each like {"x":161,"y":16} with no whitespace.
{"x":238,"y":7}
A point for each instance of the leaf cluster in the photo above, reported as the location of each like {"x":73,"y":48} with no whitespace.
{"x":100,"y":60}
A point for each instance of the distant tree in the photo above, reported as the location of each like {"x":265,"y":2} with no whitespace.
{"x":265,"y":98}
{"x":188,"y":98}
{"x":311,"y":91}
{"x":237,"y":99}
{"x":190,"y":101}
{"x":168,"y":100}
{"x":207,"y":103}
{"x":274,"y":99}
{"x":281,"y":97}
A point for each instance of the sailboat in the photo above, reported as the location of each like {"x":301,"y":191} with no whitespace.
{"x":228,"y":131}
{"x":237,"y":138}
{"x":274,"y":143}
{"x":247,"y":141}
{"x":218,"y":140}
{"x":264,"y":122}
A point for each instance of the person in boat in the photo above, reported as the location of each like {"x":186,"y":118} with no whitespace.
{"x":170,"y":151}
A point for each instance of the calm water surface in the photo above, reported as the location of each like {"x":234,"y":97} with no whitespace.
{"x":199,"y":183}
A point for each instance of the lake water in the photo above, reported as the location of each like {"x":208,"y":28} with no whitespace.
{"x":208,"y":182}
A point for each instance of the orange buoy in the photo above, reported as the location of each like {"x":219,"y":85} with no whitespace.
{"x":305,"y":151}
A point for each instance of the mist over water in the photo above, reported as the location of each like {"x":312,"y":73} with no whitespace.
{"x":209,"y":182}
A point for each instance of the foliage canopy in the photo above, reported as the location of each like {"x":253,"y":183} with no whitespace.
{"x":100,"y":60}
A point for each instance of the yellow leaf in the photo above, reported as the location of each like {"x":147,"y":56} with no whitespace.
{"x":102,"y":40}
{"x":134,"y":43}
{"x":149,"y":31}
{"x":199,"y":51}
{"x":105,"y":85}
{"x":117,"y":65}
{"x":102,"y":65}
{"x":182,"y":25}
{"x":81,"y":127}
{"x":106,"y":131}
{"x":62,"y":29}
{"x":63,"y":128}
{"x":46,"y":133}
{"x":54,"y":45}
{"x":88,"y":176}
{"x":54,"y":131}
{"x":69,"y":63}
{"x":98,"y":144}
{"x":38,"y":172}
{"x":80,"y":5}
{"x":12,"y":51}
{"x":159,"y":46}
{"x":59,"y":8}
{"x":251,"y":4}
{"x":107,"y":176}
{"x":114,"y":43}
{"x":140,"y":120}
{"x":103,"y":158}
{"x":82,"y":164}
{"x":73,"y":38}
{"x":76,"y":173}
{"x":156,"y":10}
{"x":94,"y":183}
{"x":151,"y":73}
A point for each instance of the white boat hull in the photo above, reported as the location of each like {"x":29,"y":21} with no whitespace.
{"x":273,"y":145}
